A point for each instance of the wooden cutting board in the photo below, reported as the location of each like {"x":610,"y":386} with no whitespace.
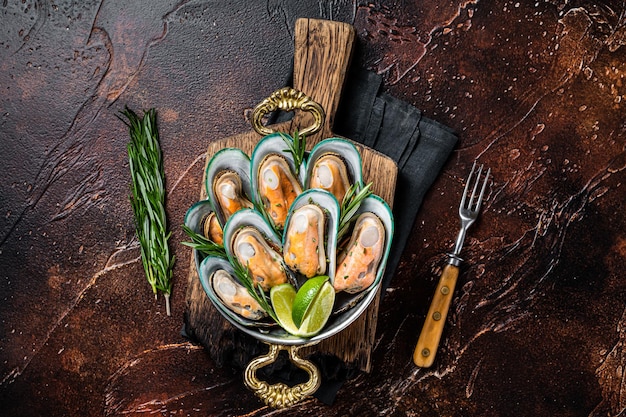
{"x":321,"y":58}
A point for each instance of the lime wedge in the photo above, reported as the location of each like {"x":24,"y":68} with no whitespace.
{"x":282,"y":297}
{"x":305,"y":296}
{"x":318,"y":312}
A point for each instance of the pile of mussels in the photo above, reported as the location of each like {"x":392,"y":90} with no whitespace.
{"x":282,"y":221}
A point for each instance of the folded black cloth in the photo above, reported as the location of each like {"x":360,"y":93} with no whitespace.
{"x":419,"y":146}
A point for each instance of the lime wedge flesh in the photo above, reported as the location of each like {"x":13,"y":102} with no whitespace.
{"x":305,"y":296}
{"x":318,"y":312}
{"x":282,"y":297}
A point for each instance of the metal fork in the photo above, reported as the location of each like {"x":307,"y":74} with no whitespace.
{"x":424,"y":354}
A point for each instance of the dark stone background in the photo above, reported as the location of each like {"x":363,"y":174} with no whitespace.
{"x":534,"y":89}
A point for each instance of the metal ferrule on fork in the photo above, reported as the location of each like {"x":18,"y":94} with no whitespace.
{"x":454,"y":259}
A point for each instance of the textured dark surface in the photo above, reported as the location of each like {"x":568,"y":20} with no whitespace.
{"x":534,"y":89}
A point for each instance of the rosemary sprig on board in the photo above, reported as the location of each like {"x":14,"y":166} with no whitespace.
{"x":148,"y":200}
{"x":202,"y":244}
{"x":350,"y":204}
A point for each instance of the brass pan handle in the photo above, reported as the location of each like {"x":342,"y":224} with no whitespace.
{"x":280,"y":395}
{"x":287,"y":99}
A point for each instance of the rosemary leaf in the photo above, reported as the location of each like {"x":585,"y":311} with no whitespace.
{"x":148,"y":200}
{"x":243,"y":274}
{"x":297,"y":147}
{"x":202,"y":244}
{"x":350,"y":205}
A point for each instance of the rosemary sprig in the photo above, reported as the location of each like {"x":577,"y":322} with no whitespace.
{"x":202,"y":244}
{"x":297,"y":147}
{"x":148,"y":200}
{"x":244,"y":275}
{"x":350,"y":204}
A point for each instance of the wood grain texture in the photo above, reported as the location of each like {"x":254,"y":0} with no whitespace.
{"x":322,"y":55}
{"x":434,"y":323}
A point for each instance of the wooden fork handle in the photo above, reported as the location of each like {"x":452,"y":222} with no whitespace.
{"x":430,"y":336}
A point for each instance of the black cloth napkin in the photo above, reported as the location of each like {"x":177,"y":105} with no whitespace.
{"x":419,"y":146}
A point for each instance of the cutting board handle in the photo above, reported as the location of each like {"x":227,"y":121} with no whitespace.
{"x":322,"y":53}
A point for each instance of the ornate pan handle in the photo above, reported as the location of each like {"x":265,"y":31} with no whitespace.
{"x":281,"y":395}
{"x":287,"y":99}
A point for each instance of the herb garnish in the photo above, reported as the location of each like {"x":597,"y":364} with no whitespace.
{"x":148,"y":200}
{"x":244,"y":276}
{"x":350,"y":204}
{"x":297,"y":147}
{"x":202,"y":244}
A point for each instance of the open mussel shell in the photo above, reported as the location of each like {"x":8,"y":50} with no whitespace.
{"x":197,"y":214}
{"x":202,"y":219}
{"x":207,"y":269}
{"x":334,"y":164}
{"x":252,"y":242}
{"x":227,"y":182}
{"x":377,"y":206}
{"x":197,"y":218}
{"x":304,"y":214}
{"x":276,"y":181}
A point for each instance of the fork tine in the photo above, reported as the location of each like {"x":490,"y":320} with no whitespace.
{"x":467,"y":184}
{"x":482,"y":191}
{"x":476,"y":182}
